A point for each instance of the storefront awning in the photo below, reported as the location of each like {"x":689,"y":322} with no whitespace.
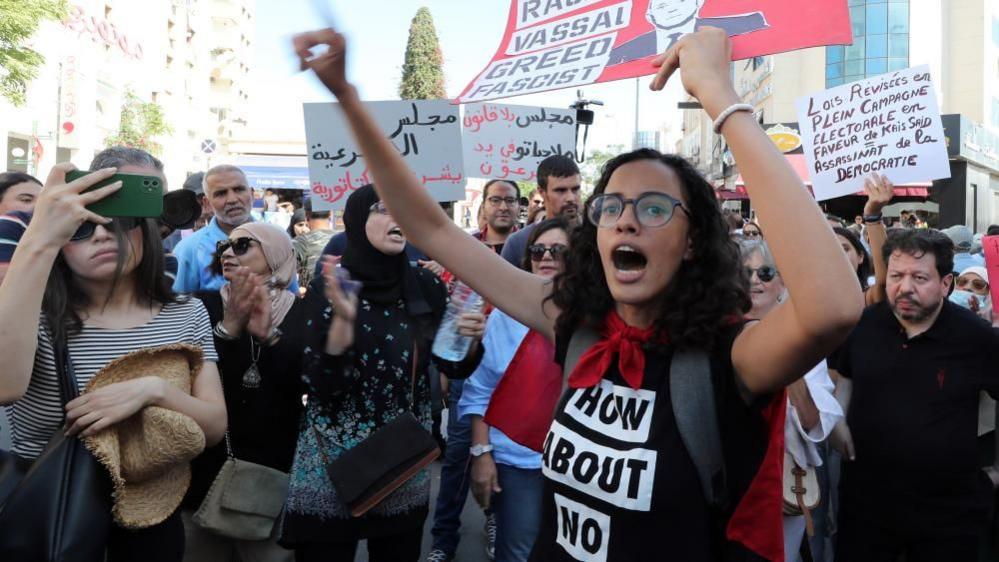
{"x":800,"y":167}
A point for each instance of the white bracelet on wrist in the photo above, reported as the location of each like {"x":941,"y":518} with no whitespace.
{"x":735,"y":107}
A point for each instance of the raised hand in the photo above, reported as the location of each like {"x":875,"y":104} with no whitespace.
{"x":61,"y":206}
{"x":703,"y":58}
{"x":341,"y":332}
{"x":331,"y":66}
{"x":879,"y":193}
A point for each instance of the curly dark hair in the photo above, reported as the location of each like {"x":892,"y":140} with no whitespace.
{"x":708,"y":294}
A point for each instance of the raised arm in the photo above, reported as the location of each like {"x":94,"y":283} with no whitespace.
{"x":879,"y":193}
{"x":516,"y":292}
{"x":824,"y":288}
{"x":60,"y":210}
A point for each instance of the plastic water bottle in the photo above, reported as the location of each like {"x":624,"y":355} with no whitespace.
{"x":448,"y":344}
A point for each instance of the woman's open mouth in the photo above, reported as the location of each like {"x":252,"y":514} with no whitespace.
{"x":396,"y":235}
{"x":629,"y":263}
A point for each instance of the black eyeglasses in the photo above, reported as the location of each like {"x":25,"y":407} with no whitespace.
{"x":496,"y":201}
{"x":652,"y":209}
{"x":537,"y":251}
{"x":378,"y":207}
{"x":765,"y":273}
{"x":239,"y":246}
{"x":120,"y":224}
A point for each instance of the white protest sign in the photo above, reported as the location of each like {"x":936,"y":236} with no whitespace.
{"x":509,"y":141}
{"x":889,"y":124}
{"x":426,"y":133}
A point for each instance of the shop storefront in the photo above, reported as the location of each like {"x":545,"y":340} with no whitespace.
{"x":971,"y":195}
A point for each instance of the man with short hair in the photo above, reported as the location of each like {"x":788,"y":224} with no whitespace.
{"x":917,"y":363}
{"x":228,"y":193}
{"x":18,"y":192}
{"x":560,"y":186}
{"x":309,"y":246}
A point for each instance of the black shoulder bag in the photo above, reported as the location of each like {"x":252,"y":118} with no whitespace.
{"x":366,"y":474}
{"x":59,"y":510}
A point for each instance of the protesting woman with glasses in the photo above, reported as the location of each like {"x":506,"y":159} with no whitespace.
{"x":652,"y":271}
{"x":96,"y":286}
{"x":506,"y":472}
{"x":812,"y":410}
{"x":367,"y":354}
{"x":259,"y":329}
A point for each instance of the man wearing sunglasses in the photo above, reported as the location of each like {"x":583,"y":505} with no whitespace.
{"x":560,"y":185}
{"x":917,"y":364}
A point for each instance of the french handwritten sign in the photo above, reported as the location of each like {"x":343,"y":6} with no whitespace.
{"x":427,"y":133}
{"x":509,"y":141}
{"x":889,"y":124}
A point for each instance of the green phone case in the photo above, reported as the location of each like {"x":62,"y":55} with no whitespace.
{"x":139,"y":196}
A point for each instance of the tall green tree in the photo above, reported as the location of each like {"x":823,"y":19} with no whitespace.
{"x":423,"y":68}
{"x":141,"y":122}
{"x":19,"y":20}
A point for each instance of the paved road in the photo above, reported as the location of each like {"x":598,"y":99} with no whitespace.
{"x":472,"y":546}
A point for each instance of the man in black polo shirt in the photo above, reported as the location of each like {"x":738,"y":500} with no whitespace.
{"x":917,"y":363}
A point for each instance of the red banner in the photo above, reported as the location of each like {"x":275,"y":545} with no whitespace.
{"x":554,"y":44}
{"x":990,"y":247}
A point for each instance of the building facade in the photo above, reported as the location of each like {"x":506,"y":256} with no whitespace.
{"x":170,"y":52}
{"x":957,"y":39}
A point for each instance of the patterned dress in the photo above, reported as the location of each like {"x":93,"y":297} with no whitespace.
{"x":351,"y":396}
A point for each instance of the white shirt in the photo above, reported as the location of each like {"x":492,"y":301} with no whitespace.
{"x":801,"y":443}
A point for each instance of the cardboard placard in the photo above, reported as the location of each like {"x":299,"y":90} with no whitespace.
{"x":889,"y":124}
{"x":509,"y":141}
{"x":426,"y":132}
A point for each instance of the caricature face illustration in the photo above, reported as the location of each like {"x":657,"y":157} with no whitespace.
{"x":666,"y":14}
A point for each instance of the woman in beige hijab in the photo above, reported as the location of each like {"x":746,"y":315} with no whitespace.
{"x":258,"y":326}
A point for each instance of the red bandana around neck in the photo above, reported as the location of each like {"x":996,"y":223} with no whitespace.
{"x":617,"y":338}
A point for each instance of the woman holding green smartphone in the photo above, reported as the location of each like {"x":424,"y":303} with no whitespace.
{"x":96,"y":286}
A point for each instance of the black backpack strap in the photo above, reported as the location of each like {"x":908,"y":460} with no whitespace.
{"x":693,"y":397}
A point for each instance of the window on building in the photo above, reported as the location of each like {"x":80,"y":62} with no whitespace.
{"x":995,"y":112}
{"x":995,"y":31}
{"x":880,"y":42}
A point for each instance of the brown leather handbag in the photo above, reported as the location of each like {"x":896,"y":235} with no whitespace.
{"x":801,"y":491}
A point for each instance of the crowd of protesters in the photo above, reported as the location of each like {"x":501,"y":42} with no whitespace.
{"x":648,"y":377}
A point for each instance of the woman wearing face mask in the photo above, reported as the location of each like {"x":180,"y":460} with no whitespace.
{"x":971,"y":290}
{"x":812,"y":411}
{"x":361,"y":355}
{"x":259,"y":331}
{"x":652,"y":270}
{"x":506,"y":474}
{"x":96,"y":287}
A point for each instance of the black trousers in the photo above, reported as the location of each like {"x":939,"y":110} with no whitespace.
{"x":160,"y":543}
{"x":404,"y":547}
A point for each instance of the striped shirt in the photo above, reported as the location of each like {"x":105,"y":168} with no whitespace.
{"x":39,"y":414}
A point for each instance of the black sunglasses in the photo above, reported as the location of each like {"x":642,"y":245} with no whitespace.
{"x":537,"y":251}
{"x":765,"y":273}
{"x":239,"y":246}
{"x":119,"y":224}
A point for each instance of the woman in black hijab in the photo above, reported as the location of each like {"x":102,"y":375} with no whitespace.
{"x":358,"y":366}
